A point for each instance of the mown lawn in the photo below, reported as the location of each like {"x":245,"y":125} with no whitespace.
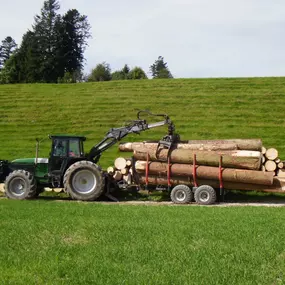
{"x":51,"y":242}
{"x":200,"y":108}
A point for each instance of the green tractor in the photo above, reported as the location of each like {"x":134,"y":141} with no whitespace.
{"x":68,"y":166}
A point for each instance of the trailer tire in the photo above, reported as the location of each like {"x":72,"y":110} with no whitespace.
{"x":20,"y":185}
{"x":84,"y":181}
{"x":205,"y":195}
{"x":181,"y":194}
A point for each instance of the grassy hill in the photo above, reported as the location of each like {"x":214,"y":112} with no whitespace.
{"x":200,"y":108}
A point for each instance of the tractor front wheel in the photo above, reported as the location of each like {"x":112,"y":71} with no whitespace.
{"x":84,"y":181}
{"x":20,"y":185}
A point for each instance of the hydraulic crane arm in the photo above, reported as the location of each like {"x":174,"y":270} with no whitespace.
{"x":116,"y":134}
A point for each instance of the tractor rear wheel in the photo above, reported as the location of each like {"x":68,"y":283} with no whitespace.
{"x":20,"y":185}
{"x":84,"y":181}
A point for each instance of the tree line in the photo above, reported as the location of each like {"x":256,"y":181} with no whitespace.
{"x":102,"y":72}
{"x":53,"y":52}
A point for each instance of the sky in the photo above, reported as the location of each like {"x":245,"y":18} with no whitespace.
{"x":197,"y":38}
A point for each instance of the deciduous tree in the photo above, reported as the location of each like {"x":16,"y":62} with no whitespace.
{"x":102,"y":72}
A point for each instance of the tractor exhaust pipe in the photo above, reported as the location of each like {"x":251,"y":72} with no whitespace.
{"x":37,"y":151}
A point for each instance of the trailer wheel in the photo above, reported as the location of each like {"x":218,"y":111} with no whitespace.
{"x":205,"y":195}
{"x":181,"y":194}
{"x":20,"y":185}
{"x":84,"y":181}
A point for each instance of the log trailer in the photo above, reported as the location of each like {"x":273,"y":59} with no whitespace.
{"x":69,"y":167}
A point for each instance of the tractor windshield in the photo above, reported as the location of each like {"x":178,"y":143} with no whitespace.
{"x":60,"y":147}
{"x":74,"y":148}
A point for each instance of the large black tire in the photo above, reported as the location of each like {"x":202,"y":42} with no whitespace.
{"x":205,"y":195}
{"x":181,"y":194}
{"x":20,"y":185}
{"x":84,"y":181}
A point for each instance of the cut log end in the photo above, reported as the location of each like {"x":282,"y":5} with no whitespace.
{"x":120,"y":163}
{"x":271,"y":153}
{"x":270,"y":165}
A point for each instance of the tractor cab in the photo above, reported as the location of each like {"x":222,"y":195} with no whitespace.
{"x":65,"y":150}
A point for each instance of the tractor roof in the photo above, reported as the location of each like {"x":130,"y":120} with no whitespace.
{"x":67,"y":136}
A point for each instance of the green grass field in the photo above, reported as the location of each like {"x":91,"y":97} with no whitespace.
{"x":48,"y":242}
{"x":61,"y":242}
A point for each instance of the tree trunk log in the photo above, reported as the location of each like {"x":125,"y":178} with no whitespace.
{"x":232,"y":159}
{"x":271,"y":153}
{"x":124,"y":171}
{"x":118,"y":175}
{"x":128,"y":178}
{"x":209,"y":145}
{"x":110,"y":170}
{"x":57,"y":190}
{"x":278,"y":184}
{"x":129,"y":162}
{"x":270,"y":165}
{"x":263,"y":150}
{"x":120,"y":163}
{"x":207,"y":172}
{"x":128,"y":147}
{"x":281,"y":173}
{"x":280,"y":165}
{"x":263,"y":159}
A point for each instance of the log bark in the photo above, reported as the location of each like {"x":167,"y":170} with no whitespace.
{"x":270,"y":165}
{"x":117,"y":175}
{"x":242,"y":144}
{"x":120,"y":163}
{"x":128,"y":147}
{"x":278,"y":185}
{"x":208,"y":172}
{"x":271,"y":153}
{"x":209,"y":145}
{"x":231,"y":159}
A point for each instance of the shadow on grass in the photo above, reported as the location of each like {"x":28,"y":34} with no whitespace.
{"x":254,"y":197}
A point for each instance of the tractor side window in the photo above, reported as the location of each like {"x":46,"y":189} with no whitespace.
{"x":74,"y":149}
{"x":60,"y":148}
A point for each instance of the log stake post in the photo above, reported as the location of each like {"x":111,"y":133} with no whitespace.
{"x":222,"y":192}
{"x":134,"y":174}
{"x":146,"y":172}
{"x":168,"y":173}
{"x":194,"y":171}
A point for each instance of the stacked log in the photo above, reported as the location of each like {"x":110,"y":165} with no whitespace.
{"x":242,"y":164}
{"x":271,"y":161}
{"x":121,"y":170}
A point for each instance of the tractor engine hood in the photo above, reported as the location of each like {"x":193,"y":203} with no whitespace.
{"x":30,"y":161}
